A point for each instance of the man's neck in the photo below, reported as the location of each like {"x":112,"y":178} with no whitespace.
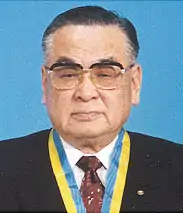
{"x":90,"y":145}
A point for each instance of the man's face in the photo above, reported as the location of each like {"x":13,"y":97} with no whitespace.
{"x":86,"y":111}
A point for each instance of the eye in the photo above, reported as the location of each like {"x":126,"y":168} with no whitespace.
{"x":66,"y":72}
{"x":104,"y":71}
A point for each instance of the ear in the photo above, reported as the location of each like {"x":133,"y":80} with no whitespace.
{"x":44,"y":84}
{"x":136,"y":84}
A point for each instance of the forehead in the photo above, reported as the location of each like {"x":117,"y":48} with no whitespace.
{"x":87,"y":44}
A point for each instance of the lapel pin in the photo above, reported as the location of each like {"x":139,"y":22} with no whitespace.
{"x":140,"y":192}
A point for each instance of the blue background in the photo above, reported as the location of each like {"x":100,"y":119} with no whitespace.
{"x":160,"y":30}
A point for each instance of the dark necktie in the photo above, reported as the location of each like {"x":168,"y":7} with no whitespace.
{"x":91,"y":189}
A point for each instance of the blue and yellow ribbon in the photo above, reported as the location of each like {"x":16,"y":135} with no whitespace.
{"x":116,"y":177}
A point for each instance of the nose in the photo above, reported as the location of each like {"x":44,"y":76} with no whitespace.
{"x":86,"y":90}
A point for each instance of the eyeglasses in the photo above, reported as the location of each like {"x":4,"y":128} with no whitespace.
{"x":104,"y":75}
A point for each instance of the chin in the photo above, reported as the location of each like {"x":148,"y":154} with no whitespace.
{"x":87,"y":131}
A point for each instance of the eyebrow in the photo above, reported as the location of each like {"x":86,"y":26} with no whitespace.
{"x":107,"y":60}
{"x":65,"y":59}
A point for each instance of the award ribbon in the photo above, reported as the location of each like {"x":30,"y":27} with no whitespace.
{"x":116,"y":176}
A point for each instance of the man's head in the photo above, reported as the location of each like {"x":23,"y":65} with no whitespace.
{"x":95,"y":105}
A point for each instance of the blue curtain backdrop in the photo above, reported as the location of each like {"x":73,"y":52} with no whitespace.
{"x":160,"y":30}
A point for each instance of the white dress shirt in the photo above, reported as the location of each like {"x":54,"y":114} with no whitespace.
{"x":73,"y":155}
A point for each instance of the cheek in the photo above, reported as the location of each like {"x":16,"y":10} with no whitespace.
{"x":59,"y":106}
{"x":118,"y":104}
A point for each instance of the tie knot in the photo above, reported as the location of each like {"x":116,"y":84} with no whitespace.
{"x":87,"y":163}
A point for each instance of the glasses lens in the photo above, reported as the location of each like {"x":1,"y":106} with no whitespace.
{"x":106,"y":76}
{"x":65,"y":77}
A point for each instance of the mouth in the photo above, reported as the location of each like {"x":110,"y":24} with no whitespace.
{"x":86,"y":116}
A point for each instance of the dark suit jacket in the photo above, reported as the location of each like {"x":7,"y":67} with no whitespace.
{"x":27,"y":182}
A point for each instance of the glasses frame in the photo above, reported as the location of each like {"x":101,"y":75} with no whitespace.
{"x":85,"y":70}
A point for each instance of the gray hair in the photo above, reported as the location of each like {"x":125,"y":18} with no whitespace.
{"x":88,"y":16}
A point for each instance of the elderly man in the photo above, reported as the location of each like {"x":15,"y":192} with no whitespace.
{"x":87,"y":162}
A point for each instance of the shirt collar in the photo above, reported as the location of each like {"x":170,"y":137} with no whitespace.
{"x":73,"y":154}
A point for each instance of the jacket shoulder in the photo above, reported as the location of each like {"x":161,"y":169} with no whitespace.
{"x":151,"y":145}
{"x":30,"y":137}
{"x":23,"y":150}
{"x":148,"y":138}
